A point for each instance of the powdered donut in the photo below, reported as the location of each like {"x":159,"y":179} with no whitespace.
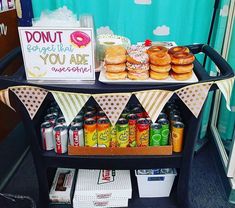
{"x":80,"y":39}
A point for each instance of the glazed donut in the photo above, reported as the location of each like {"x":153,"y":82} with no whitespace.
{"x":182,"y":58}
{"x":177,"y":49}
{"x":160,"y":69}
{"x":158,"y":76}
{"x":80,"y":39}
{"x":181,"y":69}
{"x":157,"y":49}
{"x":160,"y":59}
{"x":115,"y":67}
{"x":116,"y":49}
{"x":137,"y":67}
{"x":115,"y":59}
{"x":116,"y":76}
{"x":138,"y":76}
{"x":181,"y":77}
{"x":137,"y":57}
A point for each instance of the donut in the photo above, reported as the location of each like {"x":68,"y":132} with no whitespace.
{"x":160,"y":69}
{"x":181,"y":69}
{"x":177,"y":49}
{"x":80,"y":39}
{"x":137,"y":48}
{"x":116,"y":49}
{"x":158,"y":76}
{"x":137,"y":57}
{"x":116,"y":76}
{"x":115,"y":67}
{"x":115,"y":59}
{"x":138,"y":76}
{"x":137,"y":67}
{"x":160,"y":59}
{"x":158,"y":49}
{"x":181,"y":77}
{"x":182,"y":58}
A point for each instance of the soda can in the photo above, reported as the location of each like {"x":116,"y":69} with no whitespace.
{"x":61,"y":121}
{"x":149,"y":120}
{"x":103,"y":132}
{"x":50,"y":118}
{"x":81,"y":113}
{"x":125,"y":113}
{"x":122,"y":132}
{"x":161,"y":115}
{"x":101,"y":114}
{"x":90,"y":108}
{"x":175,"y":118}
{"x":155,"y":134}
{"x":60,"y":134}
{"x":142,"y":132}
{"x":76,"y":136}
{"x":53,"y":109}
{"x":177,"y":136}
{"x":174,"y":112}
{"x":132,"y":120}
{"x":146,"y":115}
{"x":113,"y":136}
{"x":89,"y":114}
{"x":138,"y":111}
{"x":47,"y":136}
{"x":90,"y":132}
{"x":77,"y":120}
{"x":165,"y":132}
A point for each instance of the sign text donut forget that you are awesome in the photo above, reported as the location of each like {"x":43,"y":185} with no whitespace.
{"x":58,"y":54}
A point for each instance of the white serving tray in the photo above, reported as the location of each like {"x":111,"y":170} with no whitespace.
{"x":148,"y":81}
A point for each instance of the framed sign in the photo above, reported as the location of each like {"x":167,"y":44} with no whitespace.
{"x":58,"y":54}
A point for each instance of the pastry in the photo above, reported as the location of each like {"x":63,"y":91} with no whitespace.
{"x":116,"y":75}
{"x":115,"y":67}
{"x":158,"y":76}
{"x":181,"y":69}
{"x":160,"y":69}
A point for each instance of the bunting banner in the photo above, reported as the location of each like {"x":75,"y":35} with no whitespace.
{"x":194,"y":96}
{"x":153,"y":101}
{"x":4,"y":97}
{"x":70,"y":103}
{"x":226,"y":87}
{"x":112,"y":104}
{"x":31,"y":97}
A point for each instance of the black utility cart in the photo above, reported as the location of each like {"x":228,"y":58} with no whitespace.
{"x":46,"y":161}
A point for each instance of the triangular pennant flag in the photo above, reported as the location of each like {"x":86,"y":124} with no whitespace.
{"x":226,"y":87}
{"x":31,"y":97}
{"x":194,"y":96}
{"x":153,"y":101}
{"x":70,"y":103}
{"x":4,"y":97}
{"x":112,"y":104}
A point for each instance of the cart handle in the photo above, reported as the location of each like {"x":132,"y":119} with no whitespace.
{"x":225,"y":69}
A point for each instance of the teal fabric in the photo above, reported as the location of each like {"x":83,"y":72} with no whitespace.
{"x":226,"y":121}
{"x":188,"y":22}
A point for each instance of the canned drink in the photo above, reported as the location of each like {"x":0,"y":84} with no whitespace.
{"x":76,"y":136}
{"x":174,"y":112}
{"x":47,"y":136}
{"x":165,"y":132}
{"x":103,"y":132}
{"x":142,"y":132}
{"x":132,"y":120}
{"x":50,"y":118}
{"x":60,"y":134}
{"x":177,"y":136}
{"x":125,"y":113}
{"x":175,"y":118}
{"x":77,"y":120}
{"x":162,"y":115}
{"x":113,"y":136}
{"x":101,"y":114}
{"x":149,"y":120}
{"x":138,"y":111}
{"x":122,"y":132}
{"x":90,"y":108}
{"x":53,"y":109}
{"x":88,"y":115}
{"x":155,"y":134}
{"x":81,"y":113}
{"x":61,"y":121}
{"x":90,"y":132}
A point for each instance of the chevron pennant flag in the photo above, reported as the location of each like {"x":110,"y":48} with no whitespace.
{"x":31,"y":97}
{"x":226,"y":87}
{"x":153,"y":101}
{"x":194,"y":96}
{"x":4,"y":97}
{"x":112,"y":104}
{"x":70,"y":103}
